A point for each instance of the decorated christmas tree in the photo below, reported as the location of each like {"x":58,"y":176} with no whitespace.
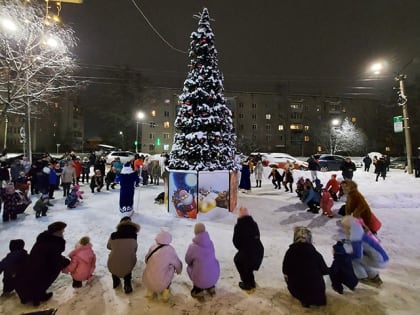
{"x":204,"y":139}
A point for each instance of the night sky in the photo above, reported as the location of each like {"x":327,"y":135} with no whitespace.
{"x":260,"y":43}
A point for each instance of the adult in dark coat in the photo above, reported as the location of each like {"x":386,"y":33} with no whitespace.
{"x":245,"y":182}
{"x":246,"y":239}
{"x":341,"y":270}
{"x":43,"y":265}
{"x":367,"y":161}
{"x":303,"y":269}
{"x":347,"y":168}
{"x":128,"y":180}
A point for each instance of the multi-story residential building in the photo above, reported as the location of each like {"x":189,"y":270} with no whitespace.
{"x":268,"y":122}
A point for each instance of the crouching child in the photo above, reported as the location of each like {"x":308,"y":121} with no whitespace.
{"x":41,"y":206}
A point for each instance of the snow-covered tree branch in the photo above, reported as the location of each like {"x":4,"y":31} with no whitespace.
{"x":35,"y":58}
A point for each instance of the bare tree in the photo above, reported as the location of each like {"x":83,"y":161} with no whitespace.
{"x":35,"y":59}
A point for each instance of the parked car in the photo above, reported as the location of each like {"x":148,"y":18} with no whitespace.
{"x":399,"y":162}
{"x":358,"y":161}
{"x":280,"y":160}
{"x":330,"y":162}
{"x":124,"y":156}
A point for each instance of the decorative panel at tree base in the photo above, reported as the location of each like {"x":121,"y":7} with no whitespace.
{"x":203,"y":193}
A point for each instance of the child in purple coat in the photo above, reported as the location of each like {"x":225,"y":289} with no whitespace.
{"x":203,"y":267}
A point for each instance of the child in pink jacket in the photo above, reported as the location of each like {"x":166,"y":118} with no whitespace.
{"x":83,"y":261}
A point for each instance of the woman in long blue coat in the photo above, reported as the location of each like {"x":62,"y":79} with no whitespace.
{"x":128,"y":180}
{"x":245,"y":182}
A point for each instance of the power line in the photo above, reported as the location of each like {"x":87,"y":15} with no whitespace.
{"x":156,"y":31}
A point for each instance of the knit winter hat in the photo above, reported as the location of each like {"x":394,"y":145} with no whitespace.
{"x":199,"y":228}
{"x":84,"y":240}
{"x":16,"y":245}
{"x":163,"y":237}
{"x":56,"y":227}
{"x":302,"y":235}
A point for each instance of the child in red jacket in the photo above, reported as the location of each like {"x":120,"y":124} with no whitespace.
{"x":327,"y":203}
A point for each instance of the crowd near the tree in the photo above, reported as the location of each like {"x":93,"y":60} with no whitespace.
{"x":356,"y":257}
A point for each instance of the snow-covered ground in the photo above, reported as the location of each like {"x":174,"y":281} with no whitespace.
{"x":396,"y":202}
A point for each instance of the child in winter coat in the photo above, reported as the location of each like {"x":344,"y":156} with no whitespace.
{"x":341,"y":270}
{"x":156,"y":172}
{"x":161,"y":264}
{"x":288,"y":178}
{"x":122,"y":258}
{"x":333,"y":186}
{"x":312,"y":198}
{"x":11,"y":264}
{"x":277,"y":178}
{"x":304,"y":268}
{"x":82,"y":264}
{"x":41,"y":206}
{"x":203,"y":267}
{"x":258,"y":172}
{"x":97,"y":181}
{"x":327,"y":203}
{"x":10,"y":202}
{"x":74,"y":197}
{"x":367,"y":255}
{"x":246,"y":239}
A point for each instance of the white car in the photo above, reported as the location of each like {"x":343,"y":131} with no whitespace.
{"x":125,"y":156}
{"x":280,"y":160}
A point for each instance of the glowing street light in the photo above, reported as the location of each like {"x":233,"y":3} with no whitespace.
{"x":377,"y":68}
{"x":139,"y":116}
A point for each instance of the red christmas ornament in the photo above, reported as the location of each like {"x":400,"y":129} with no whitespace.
{"x":187,"y":102}
{"x":203,"y":40}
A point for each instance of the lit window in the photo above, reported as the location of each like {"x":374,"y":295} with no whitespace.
{"x":267,"y":116}
{"x":166,"y":124}
{"x":153,"y":113}
{"x":281,"y":128}
{"x":306,"y":138}
{"x":306,"y":127}
{"x":296,"y":127}
{"x":296,"y":106}
{"x":353,"y":120}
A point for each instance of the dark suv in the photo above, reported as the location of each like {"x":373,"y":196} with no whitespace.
{"x":330,"y":162}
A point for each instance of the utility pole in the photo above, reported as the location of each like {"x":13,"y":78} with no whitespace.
{"x":402,"y":101}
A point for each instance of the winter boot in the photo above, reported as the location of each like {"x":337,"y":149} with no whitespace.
{"x":211,"y":291}
{"x":127,"y":287}
{"x":165,"y":295}
{"x":115,"y":282}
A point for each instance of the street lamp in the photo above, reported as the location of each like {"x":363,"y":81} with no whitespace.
{"x":333,"y":142}
{"x":122,"y":139}
{"x":377,"y":69}
{"x":140,"y":116}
